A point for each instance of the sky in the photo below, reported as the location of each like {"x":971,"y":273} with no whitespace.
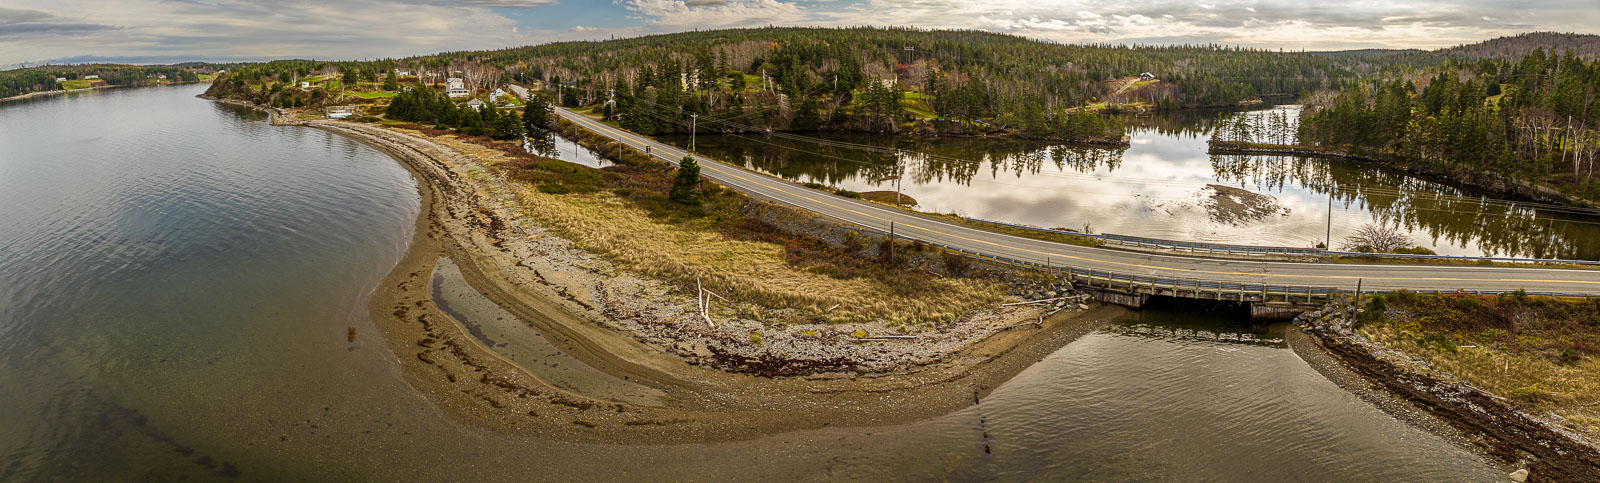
{"x":162,"y":31}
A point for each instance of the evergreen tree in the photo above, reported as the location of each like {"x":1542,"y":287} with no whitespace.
{"x":536,"y":115}
{"x":686,"y":184}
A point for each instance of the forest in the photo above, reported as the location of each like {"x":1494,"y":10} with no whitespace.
{"x":1534,"y":118}
{"x":17,"y":82}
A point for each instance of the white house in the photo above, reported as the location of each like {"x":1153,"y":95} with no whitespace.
{"x":476,"y":103}
{"x":91,"y":77}
{"x":497,"y":94}
{"x":1147,"y":76}
{"x":402,"y":73}
{"x":61,"y":79}
{"x":305,"y":85}
{"x":455,"y":87}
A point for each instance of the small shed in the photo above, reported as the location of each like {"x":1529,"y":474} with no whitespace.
{"x":476,"y":103}
{"x":1145,"y":76}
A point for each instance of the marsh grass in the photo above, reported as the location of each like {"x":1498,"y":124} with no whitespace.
{"x":622,"y":214}
{"x":1541,"y":353}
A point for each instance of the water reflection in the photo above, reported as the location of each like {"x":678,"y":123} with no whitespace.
{"x":1159,"y":186}
{"x":549,"y":145}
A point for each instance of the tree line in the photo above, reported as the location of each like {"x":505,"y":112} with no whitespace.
{"x":17,"y":82}
{"x":1534,"y":118}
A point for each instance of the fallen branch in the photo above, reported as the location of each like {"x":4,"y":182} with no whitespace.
{"x":830,"y":309}
{"x":1031,"y":302}
{"x":705,"y":302}
{"x":885,"y":337}
{"x":724,"y":299}
{"x":1041,"y":317}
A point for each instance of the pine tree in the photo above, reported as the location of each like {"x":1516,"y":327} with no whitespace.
{"x":686,"y":184}
{"x":536,"y":115}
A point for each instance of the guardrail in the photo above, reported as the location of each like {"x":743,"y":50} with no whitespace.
{"x":1194,"y":288}
{"x":1259,"y":250}
{"x":1173,"y":285}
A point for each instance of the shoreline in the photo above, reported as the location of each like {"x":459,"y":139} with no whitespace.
{"x":34,"y":94}
{"x":1485,"y":181}
{"x":476,"y":386}
{"x":1457,"y":411}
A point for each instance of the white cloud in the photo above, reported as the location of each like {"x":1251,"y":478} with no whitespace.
{"x":33,"y":30}
{"x":714,"y":13}
{"x":245,"y":29}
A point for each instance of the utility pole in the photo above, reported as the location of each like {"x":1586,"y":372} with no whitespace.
{"x":694,"y":119}
{"x":899,"y":172}
{"x":1328,"y":240}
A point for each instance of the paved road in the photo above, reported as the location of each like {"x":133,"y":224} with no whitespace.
{"x":1321,"y":275}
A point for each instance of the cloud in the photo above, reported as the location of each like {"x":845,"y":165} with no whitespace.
{"x":18,"y":22}
{"x":715,"y":13}
{"x":254,"y":29}
{"x":33,"y":30}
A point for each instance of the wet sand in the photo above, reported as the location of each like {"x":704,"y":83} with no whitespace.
{"x":475,"y":385}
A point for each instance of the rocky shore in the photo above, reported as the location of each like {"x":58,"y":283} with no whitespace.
{"x":1538,"y":449}
{"x":736,"y":378}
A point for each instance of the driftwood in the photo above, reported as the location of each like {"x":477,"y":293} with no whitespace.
{"x":1040,"y":301}
{"x":1031,"y":302}
{"x":1041,"y":317}
{"x":830,"y":309}
{"x":885,"y":337}
{"x":704,"y":301}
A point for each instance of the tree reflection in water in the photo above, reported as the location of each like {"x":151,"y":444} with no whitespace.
{"x":1052,"y":184}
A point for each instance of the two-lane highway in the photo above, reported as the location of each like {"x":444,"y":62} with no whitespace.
{"x":1321,"y":275}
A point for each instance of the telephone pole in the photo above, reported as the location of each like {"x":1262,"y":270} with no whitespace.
{"x":694,"y":119}
{"x":899,"y":172}
{"x":1328,"y":240}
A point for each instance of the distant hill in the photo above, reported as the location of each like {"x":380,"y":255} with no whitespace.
{"x":1365,"y":52}
{"x":1586,"y":46}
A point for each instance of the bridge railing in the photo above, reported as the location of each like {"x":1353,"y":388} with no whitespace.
{"x":1259,"y":250}
{"x":1181,"y":286}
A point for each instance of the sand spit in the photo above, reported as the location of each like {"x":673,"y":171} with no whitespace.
{"x":642,"y":331}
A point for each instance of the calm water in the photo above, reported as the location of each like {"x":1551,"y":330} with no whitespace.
{"x":1161,"y":186}
{"x":180,"y":281}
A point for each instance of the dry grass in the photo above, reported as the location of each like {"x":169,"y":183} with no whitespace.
{"x":758,"y":271}
{"x":632,"y":225}
{"x":1540,"y":353}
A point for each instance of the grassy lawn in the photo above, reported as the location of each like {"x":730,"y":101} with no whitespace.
{"x":77,"y":84}
{"x":373,"y":95}
{"x":207,"y":77}
{"x":917,"y":105}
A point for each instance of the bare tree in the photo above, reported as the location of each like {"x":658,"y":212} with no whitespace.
{"x":1380,"y":237}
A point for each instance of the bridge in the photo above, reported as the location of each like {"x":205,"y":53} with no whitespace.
{"x":1273,"y":288}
